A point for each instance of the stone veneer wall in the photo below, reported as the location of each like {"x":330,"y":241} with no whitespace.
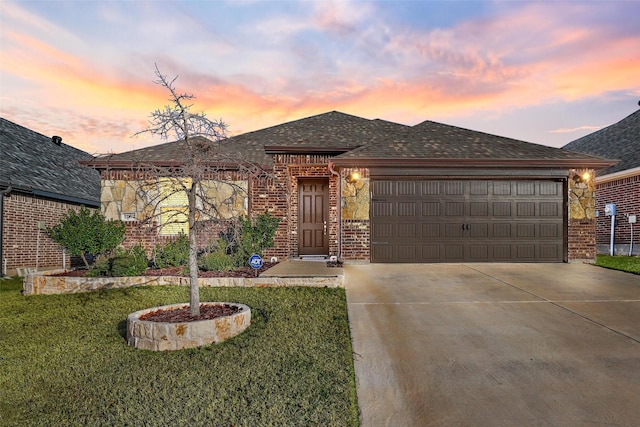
{"x":356,"y":224}
{"x":45,"y":284}
{"x":582,"y":218}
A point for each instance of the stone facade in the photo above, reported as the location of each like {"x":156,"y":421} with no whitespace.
{"x":163,"y":336}
{"x":581,"y":237}
{"x":46,"y":284}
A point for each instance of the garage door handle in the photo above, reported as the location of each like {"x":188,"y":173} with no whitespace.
{"x":465,"y":227}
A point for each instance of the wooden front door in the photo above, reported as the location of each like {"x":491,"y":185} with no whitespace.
{"x":313,"y":217}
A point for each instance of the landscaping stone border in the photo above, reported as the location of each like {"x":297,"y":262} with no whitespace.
{"x":42,"y":283}
{"x":165,"y":336}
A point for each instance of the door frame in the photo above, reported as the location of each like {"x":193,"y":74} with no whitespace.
{"x":324,"y":250}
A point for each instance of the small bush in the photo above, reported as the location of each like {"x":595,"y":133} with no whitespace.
{"x":172,"y":254}
{"x":217,"y":258}
{"x":132,"y":262}
{"x":101,"y":267}
{"x":124,"y":262}
{"x":255,"y":236}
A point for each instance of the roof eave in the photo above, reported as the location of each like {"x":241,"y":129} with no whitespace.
{"x":130,"y":164}
{"x":296,"y":149}
{"x":473,"y":163}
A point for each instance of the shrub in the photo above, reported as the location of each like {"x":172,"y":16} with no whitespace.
{"x":172,"y":254}
{"x":124,"y":262}
{"x":217,"y":258}
{"x":255,"y":236}
{"x":86,"y":232}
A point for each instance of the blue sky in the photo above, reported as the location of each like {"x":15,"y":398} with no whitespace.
{"x":545,"y":72}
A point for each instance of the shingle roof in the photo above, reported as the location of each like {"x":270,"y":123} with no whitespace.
{"x":358,"y":141}
{"x":431,"y":143}
{"x":32,"y":161}
{"x":329,"y":130}
{"x":618,"y":141}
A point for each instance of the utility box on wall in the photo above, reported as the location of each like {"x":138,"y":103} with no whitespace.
{"x":610,"y":209}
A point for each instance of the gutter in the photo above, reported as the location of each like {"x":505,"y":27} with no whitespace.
{"x":339,"y":208}
{"x":617,"y":175}
{"x":3,"y":193}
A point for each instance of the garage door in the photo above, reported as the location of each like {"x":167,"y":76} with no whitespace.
{"x":467,"y":221}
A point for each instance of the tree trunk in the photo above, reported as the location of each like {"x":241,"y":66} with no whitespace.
{"x":194,"y":290}
{"x":84,"y":258}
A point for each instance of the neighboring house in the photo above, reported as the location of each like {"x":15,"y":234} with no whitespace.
{"x":383,"y":192}
{"x":40,"y":180}
{"x":618,"y":184}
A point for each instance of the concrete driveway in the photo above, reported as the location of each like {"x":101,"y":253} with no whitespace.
{"x":495,"y":344}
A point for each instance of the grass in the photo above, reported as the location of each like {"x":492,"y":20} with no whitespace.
{"x":64,"y":361}
{"x":630,"y":264}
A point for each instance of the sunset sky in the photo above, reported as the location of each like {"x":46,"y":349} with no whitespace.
{"x":544,"y":72}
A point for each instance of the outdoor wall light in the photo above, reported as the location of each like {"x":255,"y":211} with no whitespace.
{"x":582,"y":177}
{"x":353,"y":177}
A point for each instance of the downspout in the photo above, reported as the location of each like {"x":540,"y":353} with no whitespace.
{"x":339,"y":207}
{"x":3,"y":193}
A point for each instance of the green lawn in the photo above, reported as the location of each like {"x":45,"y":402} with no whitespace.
{"x":630,"y":264}
{"x":64,"y":361}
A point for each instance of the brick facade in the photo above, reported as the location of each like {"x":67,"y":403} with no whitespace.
{"x":625,"y":193}
{"x":278,"y":195}
{"x":581,"y":239}
{"x":24,"y":244}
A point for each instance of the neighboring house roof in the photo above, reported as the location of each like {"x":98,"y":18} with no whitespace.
{"x":355,"y":141}
{"x":32,"y":162}
{"x":618,"y":141}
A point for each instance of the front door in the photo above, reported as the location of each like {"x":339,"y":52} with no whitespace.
{"x":313,"y":215}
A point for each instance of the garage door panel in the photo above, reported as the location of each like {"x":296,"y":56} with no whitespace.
{"x":479,"y":209}
{"x":380,"y":209}
{"x":479,"y":252}
{"x":501,"y":209}
{"x":479,"y":230}
{"x":430,"y":231}
{"x":501,"y":230}
{"x":454,"y":252}
{"x":453,"y":230}
{"x":431,"y":253}
{"x":430,"y":208}
{"x":467,"y":220}
{"x":550,"y":231}
{"x":407,"y":231}
{"x":381,"y":231}
{"x":454,"y":208}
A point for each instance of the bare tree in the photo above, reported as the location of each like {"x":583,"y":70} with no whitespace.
{"x":201,"y":162}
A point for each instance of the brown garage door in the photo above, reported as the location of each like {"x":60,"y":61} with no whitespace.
{"x":467,"y":220}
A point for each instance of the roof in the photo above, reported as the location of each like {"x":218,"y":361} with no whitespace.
{"x":437,"y":144}
{"x":32,"y":162}
{"x":618,"y":141}
{"x":355,"y":141}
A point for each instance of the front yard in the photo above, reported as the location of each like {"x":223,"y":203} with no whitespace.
{"x":630,"y":264}
{"x":64,"y":361}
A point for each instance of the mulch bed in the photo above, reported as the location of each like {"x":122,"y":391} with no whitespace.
{"x":179,"y":315}
{"x":247,"y":272}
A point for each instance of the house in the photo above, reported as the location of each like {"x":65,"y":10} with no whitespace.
{"x":378,"y":191}
{"x":40,"y":180}
{"x":618,"y":184}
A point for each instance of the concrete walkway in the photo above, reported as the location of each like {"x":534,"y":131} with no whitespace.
{"x":299,"y":268}
{"x":495,"y":344}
